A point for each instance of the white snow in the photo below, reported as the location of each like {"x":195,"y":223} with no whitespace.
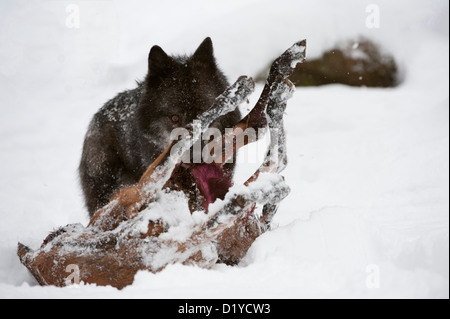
{"x":368,"y":213}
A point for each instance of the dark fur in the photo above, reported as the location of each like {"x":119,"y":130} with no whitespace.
{"x":132,"y":130}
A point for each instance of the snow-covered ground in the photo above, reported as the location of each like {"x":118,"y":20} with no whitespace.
{"x":368,"y":215}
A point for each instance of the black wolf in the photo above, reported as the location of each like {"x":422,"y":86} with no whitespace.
{"x":133,"y":129}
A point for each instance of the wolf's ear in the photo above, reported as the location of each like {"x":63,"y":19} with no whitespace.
{"x":158,"y":61}
{"x":205,"y":52}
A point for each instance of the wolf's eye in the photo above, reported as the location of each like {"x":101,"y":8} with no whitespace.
{"x":175,"y":118}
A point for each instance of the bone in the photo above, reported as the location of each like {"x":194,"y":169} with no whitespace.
{"x":128,"y":202}
{"x":272,"y":102}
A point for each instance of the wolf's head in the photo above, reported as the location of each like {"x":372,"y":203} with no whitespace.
{"x":177,"y":90}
